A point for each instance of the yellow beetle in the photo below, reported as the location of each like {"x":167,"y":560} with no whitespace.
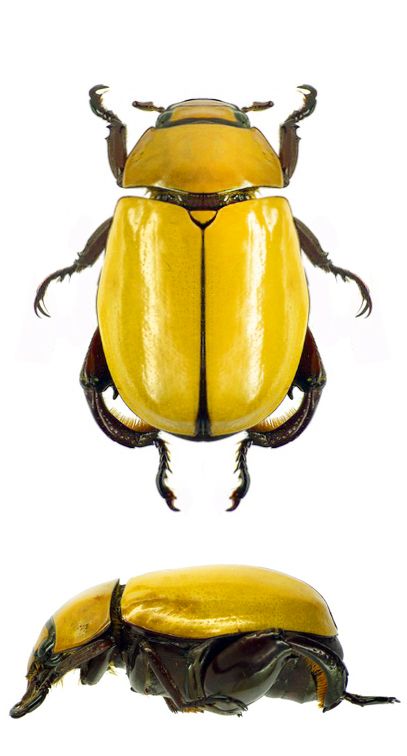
{"x":203,"y":301}
{"x":211,"y":638}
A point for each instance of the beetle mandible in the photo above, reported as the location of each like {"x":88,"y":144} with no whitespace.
{"x":211,"y":638}
{"x":203,"y":301}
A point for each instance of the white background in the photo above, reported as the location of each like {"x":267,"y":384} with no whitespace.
{"x":328,"y":508}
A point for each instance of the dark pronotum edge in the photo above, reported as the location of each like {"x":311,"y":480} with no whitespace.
{"x":202,"y":201}
{"x":188,"y":121}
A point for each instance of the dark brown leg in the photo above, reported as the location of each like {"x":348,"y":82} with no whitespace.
{"x":368,"y":700}
{"x":117,"y":139}
{"x":93,"y":670}
{"x":326,"y":662}
{"x":175,"y":698}
{"x":162,"y":473}
{"x":244,"y":478}
{"x":258,"y":106}
{"x":247,"y":667}
{"x":316,"y":255}
{"x":289,"y":140}
{"x":95,"y":378}
{"x":92,"y":250}
{"x":310,"y":378}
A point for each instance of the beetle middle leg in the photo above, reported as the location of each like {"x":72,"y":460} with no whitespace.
{"x":316,"y":255}
{"x":92,"y":250}
{"x":95,"y":378}
{"x":174,"y":696}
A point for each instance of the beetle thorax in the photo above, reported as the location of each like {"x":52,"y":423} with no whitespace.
{"x":203,"y":147}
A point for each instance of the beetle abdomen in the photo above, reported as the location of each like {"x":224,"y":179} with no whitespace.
{"x":203,"y":327}
{"x":205,"y":602}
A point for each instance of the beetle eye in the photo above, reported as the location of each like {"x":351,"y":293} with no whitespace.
{"x":45,"y":648}
{"x":163,"y":118}
{"x":242,"y":118}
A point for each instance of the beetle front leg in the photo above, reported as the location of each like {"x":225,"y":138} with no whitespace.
{"x":289,"y":140}
{"x":117,"y":139}
{"x":92,"y":250}
{"x":95,"y":378}
{"x":310,"y":378}
{"x":316,"y":255}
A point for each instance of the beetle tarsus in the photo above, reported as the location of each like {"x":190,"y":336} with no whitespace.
{"x":241,"y":467}
{"x":310,"y":101}
{"x":163,"y":469}
{"x":87,"y":257}
{"x":354,"y":698}
{"x":346,"y":275}
{"x":59,"y":275}
{"x":117,"y":138}
{"x":318,"y":257}
{"x":96,"y":103}
{"x":289,"y":140}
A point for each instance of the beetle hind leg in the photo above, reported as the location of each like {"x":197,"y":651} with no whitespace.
{"x":368,"y":700}
{"x":310,"y":379}
{"x":95,"y":378}
{"x":163,"y":469}
{"x":244,"y":478}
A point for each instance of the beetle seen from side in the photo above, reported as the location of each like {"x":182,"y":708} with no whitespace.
{"x":203,"y":301}
{"x":205,"y":638}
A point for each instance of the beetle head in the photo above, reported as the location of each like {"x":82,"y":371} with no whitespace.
{"x":202,"y":111}
{"x":77,"y":633}
{"x":43,"y":671}
{"x":46,"y":667}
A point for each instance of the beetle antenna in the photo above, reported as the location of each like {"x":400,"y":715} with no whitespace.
{"x":258,"y":106}
{"x":147,"y":106}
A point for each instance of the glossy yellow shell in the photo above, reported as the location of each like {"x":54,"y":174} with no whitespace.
{"x":84,"y":617}
{"x":203,"y":157}
{"x":239,"y":284}
{"x":204,"y":602}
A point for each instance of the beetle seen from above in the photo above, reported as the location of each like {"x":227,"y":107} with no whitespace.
{"x":203,"y":300}
{"x":211,"y":638}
